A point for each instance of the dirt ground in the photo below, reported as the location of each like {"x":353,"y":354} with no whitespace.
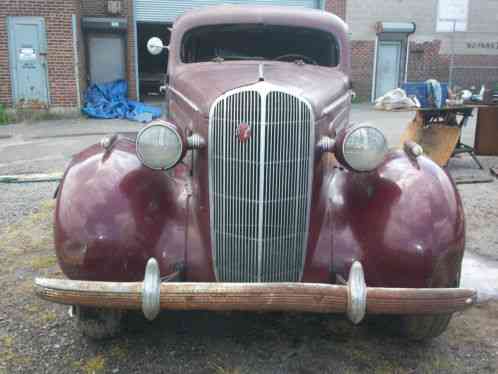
{"x":40,"y":337}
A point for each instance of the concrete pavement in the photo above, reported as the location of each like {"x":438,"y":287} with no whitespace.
{"x":45,"y":146}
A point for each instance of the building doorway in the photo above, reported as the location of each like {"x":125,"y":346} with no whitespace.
{"x":106,"y":57}
{"x":388,"y":67}
{"x":391,"y":56}
{"x":152,"y":70}
{"x":28,"y":61}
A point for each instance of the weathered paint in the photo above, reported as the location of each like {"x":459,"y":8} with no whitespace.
{"x":404,"y":222}
{"x":295,"y":297}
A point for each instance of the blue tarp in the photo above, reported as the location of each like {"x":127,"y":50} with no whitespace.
{"x":422,"y":91}
{"x":109,"y":100}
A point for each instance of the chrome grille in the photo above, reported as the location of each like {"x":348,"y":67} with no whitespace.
{"x":260,"y":189}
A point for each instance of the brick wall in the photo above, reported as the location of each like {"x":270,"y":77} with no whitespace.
{"x":338,"y":7}
{"x":5,"y":87}
{"x":98,"y":8}
{"x":426,"y":62}
{"x":362,"y":61}
{"x":60,"y":58}
{"x":475,"y":70}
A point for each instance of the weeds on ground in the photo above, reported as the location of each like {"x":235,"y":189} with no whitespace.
{"x":35,"y":115}
{"x":222,"y":370}
{"x":95,"y":365}
{"x":28,"y":243}
{"x":4,"y":117}
{"x":358,"y":99}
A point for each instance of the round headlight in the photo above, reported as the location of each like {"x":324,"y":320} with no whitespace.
{"x":160,"y":146}
{"x":363,"y":148}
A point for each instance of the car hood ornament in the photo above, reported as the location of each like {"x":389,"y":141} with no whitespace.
{"x":244,"y":132}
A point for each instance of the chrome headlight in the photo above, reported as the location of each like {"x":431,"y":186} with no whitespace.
{"x":160,"y":145}
{"x":362,"y":148}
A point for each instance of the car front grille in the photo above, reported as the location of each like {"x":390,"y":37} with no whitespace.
{"x":260,"y":184}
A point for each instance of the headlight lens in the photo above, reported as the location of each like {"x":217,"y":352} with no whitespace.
{"x":160,"y":146}
{"x":364,"y":148}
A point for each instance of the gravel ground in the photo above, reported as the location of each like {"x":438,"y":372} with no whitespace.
{"x":20,"y":200}
{"x":480,"y":202}
{"x":40,"y":337}
{"x":44,"y":147}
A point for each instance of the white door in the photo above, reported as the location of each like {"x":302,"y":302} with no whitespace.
{"x":388,"y":67}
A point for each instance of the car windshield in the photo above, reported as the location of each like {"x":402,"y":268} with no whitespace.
{"x":260,"y":42}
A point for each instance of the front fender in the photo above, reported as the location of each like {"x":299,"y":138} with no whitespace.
{"x":404,"y":222}
{"x":113,"y":214}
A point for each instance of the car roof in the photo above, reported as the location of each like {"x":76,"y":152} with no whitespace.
{"x":264,"y":14}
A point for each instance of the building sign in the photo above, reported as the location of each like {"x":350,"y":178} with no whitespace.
{"x":482,"y":45}
{"x":471,"y":44}
{"x":452,"y":15}
{"x":27,"y":54}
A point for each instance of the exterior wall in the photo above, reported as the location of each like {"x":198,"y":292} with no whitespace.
{"x":425,"y":61}
{"x":362,"y":62}
{"x":98,"y":8}
{"x":474,"y":70}
{"x":5,"y":84}
{"x":476,"y":58}
{"x":338,"y":7}
{"x":476,"y":51}
{"x":60,"y":59}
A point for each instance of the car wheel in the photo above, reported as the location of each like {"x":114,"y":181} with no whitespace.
{"x":98,"y":324}
{"x":425,"y":327}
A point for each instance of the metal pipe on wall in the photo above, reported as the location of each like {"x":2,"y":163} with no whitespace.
{"x":76,"y":59}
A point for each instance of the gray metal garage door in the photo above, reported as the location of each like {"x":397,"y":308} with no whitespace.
{"x":168,"y":11}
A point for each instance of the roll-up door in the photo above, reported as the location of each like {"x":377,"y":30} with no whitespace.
{"x":167,"y":11}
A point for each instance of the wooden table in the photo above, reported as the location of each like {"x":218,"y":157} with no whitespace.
{"x":454,"y":117}
{"x":486,"y":141}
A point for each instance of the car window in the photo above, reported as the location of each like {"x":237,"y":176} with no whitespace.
{"x":259,"y":42}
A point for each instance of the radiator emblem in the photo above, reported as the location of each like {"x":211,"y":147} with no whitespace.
{"x":244,"y":132}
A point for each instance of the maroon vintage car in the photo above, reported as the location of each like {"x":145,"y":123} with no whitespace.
{"x":255,"y":194}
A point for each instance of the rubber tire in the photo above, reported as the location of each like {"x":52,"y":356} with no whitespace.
{"x":419,"y":328}
{"x":99,"y":324}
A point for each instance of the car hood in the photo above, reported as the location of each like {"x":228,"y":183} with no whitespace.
{"x":203,"y":83}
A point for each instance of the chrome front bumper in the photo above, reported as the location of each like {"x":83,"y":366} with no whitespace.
{"x":355,"y":299}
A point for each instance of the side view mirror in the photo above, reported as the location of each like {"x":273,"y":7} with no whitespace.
{"x":155,"y":46}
